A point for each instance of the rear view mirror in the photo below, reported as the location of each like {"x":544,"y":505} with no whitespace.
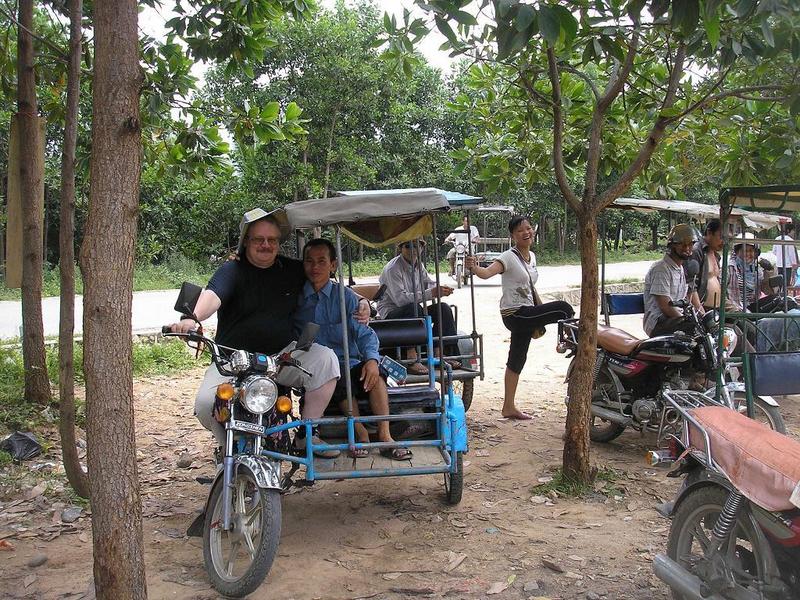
{"x":692,"y":268}
{"x":307,"y":336}
{"x":187,"y":298}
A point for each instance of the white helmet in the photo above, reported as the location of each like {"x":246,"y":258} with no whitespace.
{"x":738,"y":241}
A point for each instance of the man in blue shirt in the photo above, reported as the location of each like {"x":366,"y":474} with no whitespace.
{"x":320,"y":303}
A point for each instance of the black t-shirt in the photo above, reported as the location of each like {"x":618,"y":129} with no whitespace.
{"x":257,"y":303}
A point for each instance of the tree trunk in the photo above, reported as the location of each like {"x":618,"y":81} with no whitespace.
{"x":37,"y":384}
{"x":617,"y":237}
{"x":576,"y":441}
{"x":654,"y":236}
{"x":107,"y":259}
{"x":66,"y":246}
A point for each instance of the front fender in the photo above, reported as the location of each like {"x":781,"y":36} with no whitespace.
{"x":738,"y":386}
{"x":267,"y":473}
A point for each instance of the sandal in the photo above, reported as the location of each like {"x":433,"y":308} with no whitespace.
{"x":396,"y":453}
{"x":454,"y":364}
{"x":358,"y":453}
{"x":417,"y":369}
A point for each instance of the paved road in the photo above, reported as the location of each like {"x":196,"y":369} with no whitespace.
{"x":152,"y":309}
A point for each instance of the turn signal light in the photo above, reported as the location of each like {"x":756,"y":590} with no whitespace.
{"x":225,"y":391}
{"x":283,"y":405}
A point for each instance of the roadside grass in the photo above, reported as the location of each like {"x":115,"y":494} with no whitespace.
{"x":604,"y":480}
{"x":160,"y":358}
{"x":167,"y":276}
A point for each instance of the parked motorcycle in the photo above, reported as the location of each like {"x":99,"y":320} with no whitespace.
{"x":242,"y":522}
{"x":630,"y":373}
{"x":735,"y":530}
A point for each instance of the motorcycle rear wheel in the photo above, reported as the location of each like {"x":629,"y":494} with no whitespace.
{"x":237,"y":561}
{"x":762,"y":412}
{"x":691,"y":532}
{"x":600,"y":430}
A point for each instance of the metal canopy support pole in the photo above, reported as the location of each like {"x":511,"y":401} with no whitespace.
{"x":471,"y":282}
{"x":723,"y":214}
{"x":440,"y":342}
{"x":345,"y":342}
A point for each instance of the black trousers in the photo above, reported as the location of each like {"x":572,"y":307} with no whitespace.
{"x":525,"y":321}
{"x":410,"y":311}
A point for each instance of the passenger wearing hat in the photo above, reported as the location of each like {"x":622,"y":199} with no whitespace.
{"x":665,"y":282}
{"x":255,"y":297}
{"x":407,"y":285}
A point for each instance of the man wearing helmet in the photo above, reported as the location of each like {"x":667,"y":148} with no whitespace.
{"x":665,"y":282}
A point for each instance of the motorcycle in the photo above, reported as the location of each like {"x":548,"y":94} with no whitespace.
{"x":630,"y":373}
{"x":241,"y":523}
{"x":460,"y":273}
{"x":735,"y":531}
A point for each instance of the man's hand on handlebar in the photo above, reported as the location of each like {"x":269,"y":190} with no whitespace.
{"x":184,"y":326}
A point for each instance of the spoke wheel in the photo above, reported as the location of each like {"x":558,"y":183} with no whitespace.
{"x":238,"y":560}
{"x":464,"y":388}
{"x":454,"y":482}
{"x":459,"y":275}
{"x":690,"y":537}
{"x":600,"y":430}
{"x":762,"y":412}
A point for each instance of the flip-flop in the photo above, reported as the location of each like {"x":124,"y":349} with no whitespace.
{"x":454,"y":364}
{"x":396,"y":453}
{"x":358,"y":453}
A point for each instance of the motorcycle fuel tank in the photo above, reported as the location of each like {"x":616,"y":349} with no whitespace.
{"x":665,"y":348}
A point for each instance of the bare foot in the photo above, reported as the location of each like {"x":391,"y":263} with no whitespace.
{"x":517,"y":414}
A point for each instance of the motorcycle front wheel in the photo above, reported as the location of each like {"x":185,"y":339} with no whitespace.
{"x":690,"y":537}
{"x":762,"y":412}
{"x":238,"y":560}
{"x":459,"y":275}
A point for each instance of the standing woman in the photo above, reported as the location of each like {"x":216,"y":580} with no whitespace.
{"x":524,"y":314}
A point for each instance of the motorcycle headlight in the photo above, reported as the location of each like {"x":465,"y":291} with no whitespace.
{"x":259,"y":395}
{"x":729,"y":340}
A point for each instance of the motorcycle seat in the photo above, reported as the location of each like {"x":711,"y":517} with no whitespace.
{"x":763,"y":464}
{"x":616,"y":340}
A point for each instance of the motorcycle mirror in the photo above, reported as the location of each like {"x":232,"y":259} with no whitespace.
{"x":692,"y":268}
{"x":307,"y":336}
{"x":775,"y":281}
{"x":187,"y":298}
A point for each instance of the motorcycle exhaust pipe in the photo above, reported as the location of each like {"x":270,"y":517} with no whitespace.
{"x":610,"y":415}
{"x":679,"y":579}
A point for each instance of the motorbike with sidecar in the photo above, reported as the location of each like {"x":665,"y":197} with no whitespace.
{"x":241,"y":527}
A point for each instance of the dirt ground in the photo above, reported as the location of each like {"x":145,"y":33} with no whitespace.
{"x":385,"y":538}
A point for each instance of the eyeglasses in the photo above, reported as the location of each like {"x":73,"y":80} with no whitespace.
{"x":260,"y":240}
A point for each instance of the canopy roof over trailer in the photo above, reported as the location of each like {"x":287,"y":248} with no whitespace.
{"x":753,"y":220}
{"x":455,"y":199}
{"x":374,"y":218}
{"x":783,"y":198}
